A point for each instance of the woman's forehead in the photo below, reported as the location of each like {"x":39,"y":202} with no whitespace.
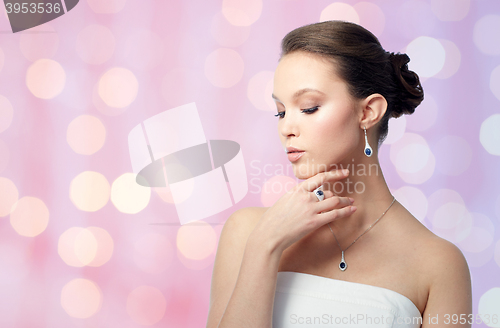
{"x":303,"y":70}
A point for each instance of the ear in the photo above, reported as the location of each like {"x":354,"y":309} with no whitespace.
{"x":373,"y":109}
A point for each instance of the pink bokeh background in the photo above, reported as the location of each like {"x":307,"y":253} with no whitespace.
{"x":82,"y":245}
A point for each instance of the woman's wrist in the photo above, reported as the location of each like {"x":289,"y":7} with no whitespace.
{"x":263,"y":244}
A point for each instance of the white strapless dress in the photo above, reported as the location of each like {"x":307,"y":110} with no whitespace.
{"x":306,"y":300}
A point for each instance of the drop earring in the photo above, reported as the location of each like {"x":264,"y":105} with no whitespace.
{"x":368,"y":150}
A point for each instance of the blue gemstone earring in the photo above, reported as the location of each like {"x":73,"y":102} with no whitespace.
{"x":368,"y":150}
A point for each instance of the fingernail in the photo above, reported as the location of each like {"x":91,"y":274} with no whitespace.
{"x":353,"y":209}
{"x":351,"y":199}
{"x":345,"y":171}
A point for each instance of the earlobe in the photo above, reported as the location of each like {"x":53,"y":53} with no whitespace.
{"x":374,"y":108}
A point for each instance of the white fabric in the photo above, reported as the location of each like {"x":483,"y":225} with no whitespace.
{"x":306,"y":300}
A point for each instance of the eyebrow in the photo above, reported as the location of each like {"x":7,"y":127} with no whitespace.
{"x":299,"y":93}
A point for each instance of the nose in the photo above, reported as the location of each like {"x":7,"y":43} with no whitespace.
{"x":288,"y":125}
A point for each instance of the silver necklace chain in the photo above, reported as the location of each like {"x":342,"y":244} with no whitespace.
{"x":343,"y":264}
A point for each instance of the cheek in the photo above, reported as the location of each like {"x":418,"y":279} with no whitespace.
{"x":335,"y":126}
{"x":336,"y":134}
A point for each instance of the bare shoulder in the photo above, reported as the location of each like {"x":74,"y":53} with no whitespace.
{"x":228,"y":259}
{"x":444,"y":271}
{"x":438,"y":258}
{"x":445,"y":259}
{"x":450,"y":290}
{"x":437,"y":267}
{"x":245,"y":218}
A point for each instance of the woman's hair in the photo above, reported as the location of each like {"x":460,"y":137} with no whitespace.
{"x":362,"y":63}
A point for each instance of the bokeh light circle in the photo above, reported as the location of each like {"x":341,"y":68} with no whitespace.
{"x":85,"y":246}
{"x":274,"y":188}
{"x":414,"y":200}
{"x":452,"y":221}
{"x":128,"y":196}
{"x":143,"y":49}
{"x":66,"y":246}
{"x":226,"y":34}
{"x":452,"y":62}
{"x":412,"y":158}
{"x":41,"y":42}
{"x":481,"y":235}
{"x":449,"y":216}
{"x":92,"y":246}
{"x":165,"y":194}
{"x":488,"y":305}
{"x":118,"y":87}
{"x":397,"y":128}
{"x":105,"y":246}
{"x":4,"y":156}
{"x":45,"y":78}
{"x":497,"y":253}
{"x":81,"y":298}
{"x":453,"y":155}
{"x":86,"y":134}
{"x":371,"y":17}
{"x":101,"y":106}
{"x":106,"y":7}
{"x":95,"y":44}
{"x":486,"y":36}
{"x":242,"y":12}
{"x":2,"y":59}
{"x":6,"y":113}
{"x":497,"y":207}
{"x":196,"y":240}
{"x":425,"y":115}
{"x":339,"y":11}
{"x":224,"y":67}
{"x":8,"y":196}
{"x":489,"y":134}
{"x":89,"y":191}
{"x":447,"y":11}
{"x":29,"y":216}
{"x":153,"y":253}
{"x":427,"y":56}
{"x":414,"y":161}
{"x":146,"y":305}
{"x":409,"y":16}
{"x":260,"y":89}
{"x":494,"y":84}
{"x":16,"y":257}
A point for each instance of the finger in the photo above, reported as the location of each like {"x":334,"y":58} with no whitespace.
{"x":328,"y":193}
{"x":320,"y":178}
{"x":336,"y":214}
{"x":331,"y":203}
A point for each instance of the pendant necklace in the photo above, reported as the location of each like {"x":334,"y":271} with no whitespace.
{"x":343,"y":264}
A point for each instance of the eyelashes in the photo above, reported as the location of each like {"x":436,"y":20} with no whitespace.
{"x":307,"y":111}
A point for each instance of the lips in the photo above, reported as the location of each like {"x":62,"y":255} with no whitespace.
{"x":293,"y":150}
{"x":294,"y":156}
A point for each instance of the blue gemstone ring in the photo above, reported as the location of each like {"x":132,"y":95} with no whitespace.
{"x":319,"y":193}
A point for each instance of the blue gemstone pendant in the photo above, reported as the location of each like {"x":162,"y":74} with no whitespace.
{"x":342,"y":265}
{"x":368,"y":150}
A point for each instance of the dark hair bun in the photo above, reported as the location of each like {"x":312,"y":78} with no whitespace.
{"x":410,"y":93}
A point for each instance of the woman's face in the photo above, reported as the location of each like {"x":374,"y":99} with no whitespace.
{"x":330,"y":133}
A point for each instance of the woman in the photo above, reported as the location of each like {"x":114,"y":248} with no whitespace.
{"x":352,"y":255}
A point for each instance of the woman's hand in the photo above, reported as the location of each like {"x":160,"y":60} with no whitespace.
{"x":299,"y":212}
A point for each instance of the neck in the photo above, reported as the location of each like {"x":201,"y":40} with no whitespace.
{"x":372,"y":197}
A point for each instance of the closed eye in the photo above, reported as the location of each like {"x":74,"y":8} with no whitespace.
{"x":307,"y":111}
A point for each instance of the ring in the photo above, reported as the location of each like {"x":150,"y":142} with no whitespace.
{"x":319,"y":194}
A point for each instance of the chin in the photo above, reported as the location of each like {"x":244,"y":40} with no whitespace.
{"x":304,"y":171}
